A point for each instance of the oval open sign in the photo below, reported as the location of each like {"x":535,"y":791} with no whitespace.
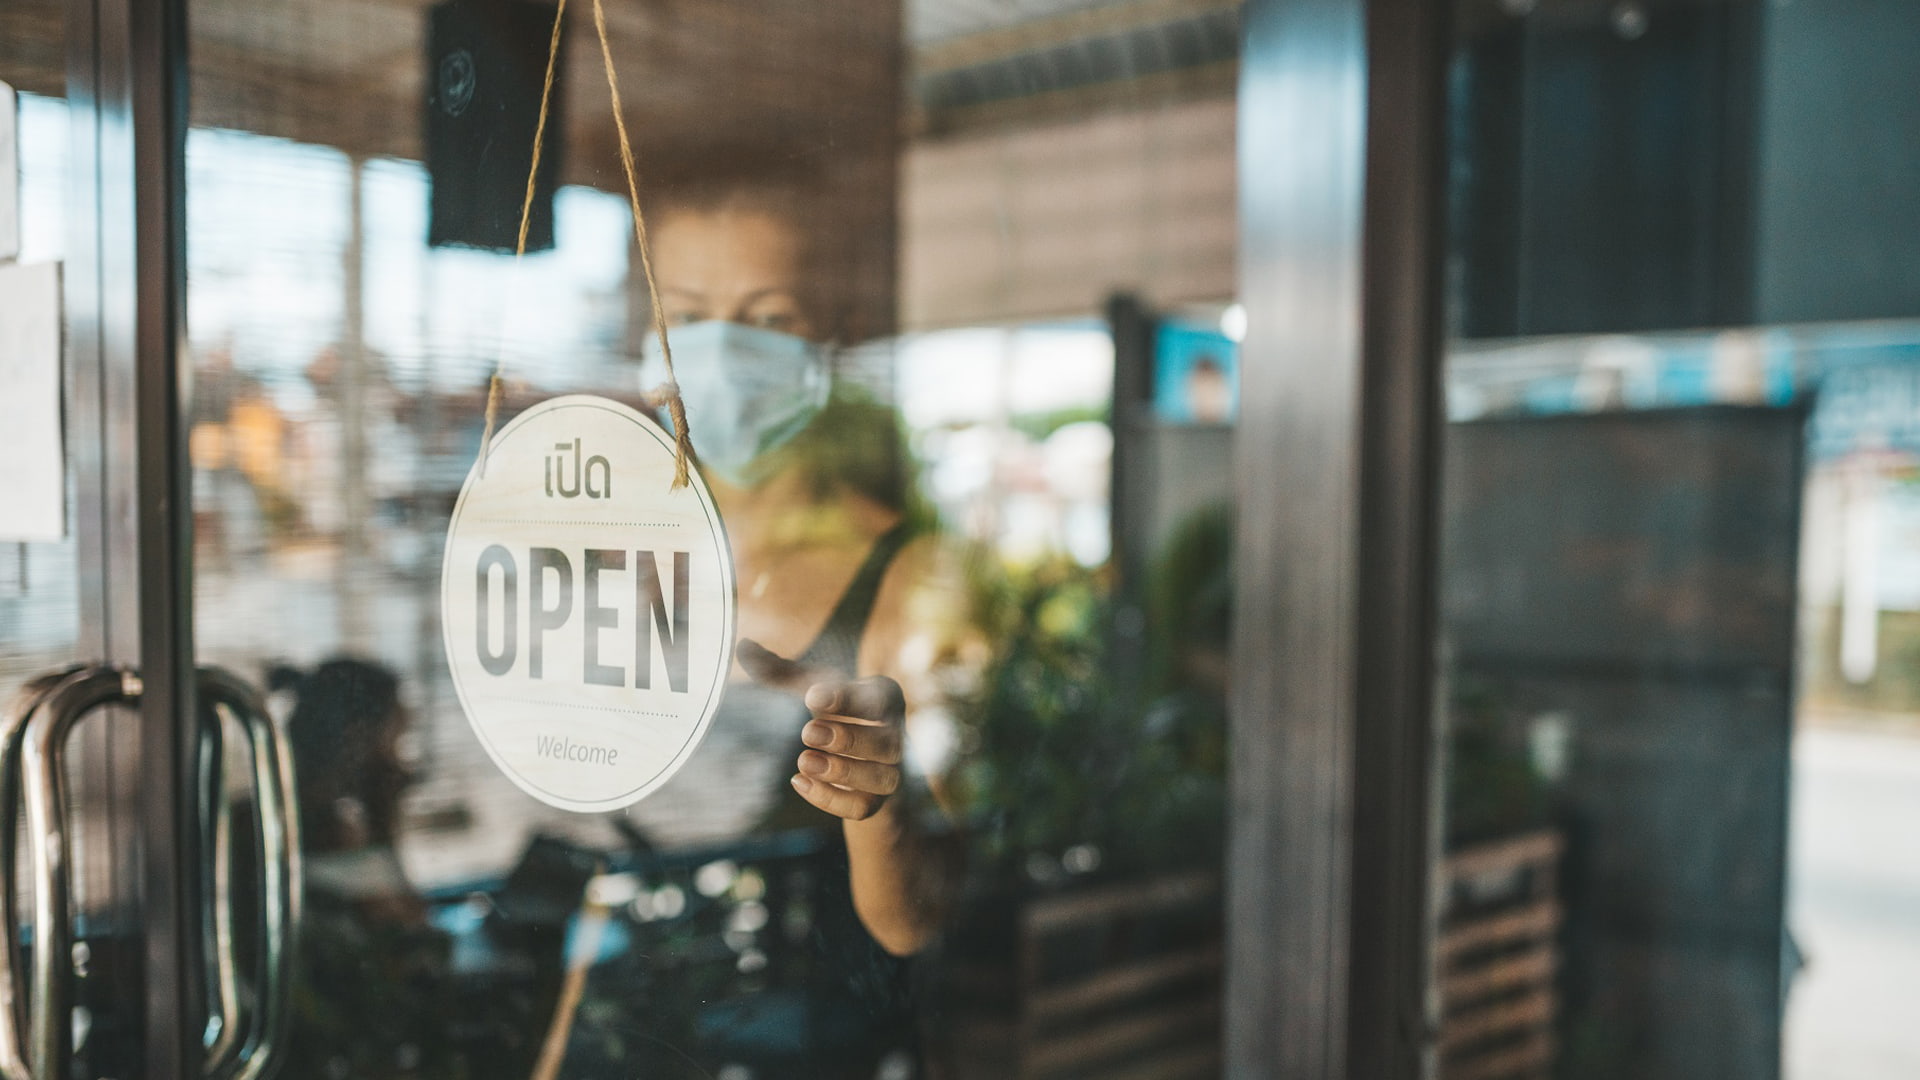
{"x":586,"y":608}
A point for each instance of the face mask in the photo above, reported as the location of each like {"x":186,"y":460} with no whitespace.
{"x":747,"y":391}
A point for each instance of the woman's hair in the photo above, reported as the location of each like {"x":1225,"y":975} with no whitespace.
{"x":787,"y":190}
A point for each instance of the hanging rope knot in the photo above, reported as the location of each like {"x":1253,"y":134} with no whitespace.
{"x":658,"y":397}
{"x":669,"y":391}
{"x":667,"y":396}
{"x":682,"y":442}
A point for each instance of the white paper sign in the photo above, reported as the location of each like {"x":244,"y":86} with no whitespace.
{"x":9,"y":172}
{"x":33,"y":475}
{"x":587,"y":608}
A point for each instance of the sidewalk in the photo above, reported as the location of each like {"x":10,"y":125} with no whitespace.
{"x":1854,"y":899}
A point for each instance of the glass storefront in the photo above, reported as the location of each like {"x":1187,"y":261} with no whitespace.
{"x":980,"y":333}
{"x":1013,"y":864}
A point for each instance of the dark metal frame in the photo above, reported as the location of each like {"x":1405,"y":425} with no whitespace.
{"x":129,"y":395}
{"x":1331,"y":828}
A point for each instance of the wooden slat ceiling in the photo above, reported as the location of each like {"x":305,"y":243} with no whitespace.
{"x":699,"y":77}
{"x":33,"y":46}
{"x":348,"y":73}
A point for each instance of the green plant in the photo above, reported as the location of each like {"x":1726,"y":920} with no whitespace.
{"x":1054,"y":759}
{"x":1492,"y":788}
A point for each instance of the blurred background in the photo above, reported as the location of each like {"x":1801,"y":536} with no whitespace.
{"x":1680,"y":576}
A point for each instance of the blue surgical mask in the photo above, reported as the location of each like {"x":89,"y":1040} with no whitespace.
{"x":747,"y":391}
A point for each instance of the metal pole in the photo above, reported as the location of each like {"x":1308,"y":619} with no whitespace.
{"x":1330,"y":835}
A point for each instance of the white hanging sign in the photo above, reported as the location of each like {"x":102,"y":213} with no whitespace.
{"x":33,"y":472}
{"x":587,"y":609}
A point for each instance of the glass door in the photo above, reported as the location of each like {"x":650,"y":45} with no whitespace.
{"x":960,"y":808}
{"x":322,"y":732}
{"x":88,"y":813}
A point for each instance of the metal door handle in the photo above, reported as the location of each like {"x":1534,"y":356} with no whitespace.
{"x":229,"y":1058}
{"x":37,"y":1043}
{"x":43,"y":783}
{"x":13,"y":1005}
{"x":215,"y":814}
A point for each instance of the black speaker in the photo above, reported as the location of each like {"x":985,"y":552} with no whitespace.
{"x":486,"y":63}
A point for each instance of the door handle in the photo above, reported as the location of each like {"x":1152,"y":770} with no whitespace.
{"x":14,"y":1054}
{"x":43,"y":786}
{"x":221,"y":1037}
{"x":36,"y":1043}
{"x":271,"y":765}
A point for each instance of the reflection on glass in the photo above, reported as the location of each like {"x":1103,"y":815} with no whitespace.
{"x":1672,"y":591}
{"x":39,"y":582}
{"x":1631,"y":869}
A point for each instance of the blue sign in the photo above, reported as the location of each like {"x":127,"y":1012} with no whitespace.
{"x":1196,"y":375}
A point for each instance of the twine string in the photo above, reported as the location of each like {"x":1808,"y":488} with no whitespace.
{"x":668,"y":392}
{"x":676,"y":409}
{"x":526,"y":215}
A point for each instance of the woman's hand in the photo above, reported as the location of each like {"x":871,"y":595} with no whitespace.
{"x":854,"y":740}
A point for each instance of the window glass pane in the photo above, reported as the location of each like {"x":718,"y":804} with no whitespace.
{"x":1682,"y":764}
{"x":950,"y":300}
{"x":39,"y":581}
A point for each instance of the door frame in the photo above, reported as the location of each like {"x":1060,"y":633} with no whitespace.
{"x":1332,"y":828}
{"x":129,"y":389}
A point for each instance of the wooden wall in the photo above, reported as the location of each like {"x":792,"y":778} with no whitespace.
{"x":1048,"y":220}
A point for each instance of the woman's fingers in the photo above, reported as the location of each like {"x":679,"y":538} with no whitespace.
{"x":872,"y":777}
{"x":854,"y":739}
{"x":853,"y":763}
{"x":877,"y":699}
{"x":838,"y":801}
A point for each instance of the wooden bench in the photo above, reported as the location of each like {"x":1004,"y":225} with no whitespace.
{"x":1496,"y":958}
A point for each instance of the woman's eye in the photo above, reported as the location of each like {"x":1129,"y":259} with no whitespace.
{"x":775,"y":310}
{"x":683,"y":317}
